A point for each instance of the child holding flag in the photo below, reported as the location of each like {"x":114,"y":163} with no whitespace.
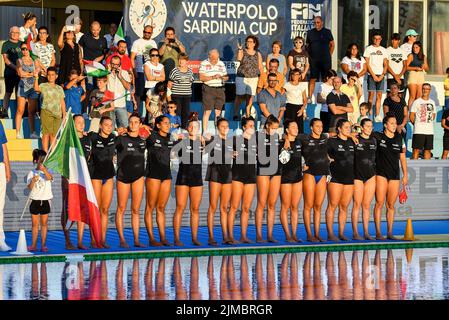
{"x":101,"y":104}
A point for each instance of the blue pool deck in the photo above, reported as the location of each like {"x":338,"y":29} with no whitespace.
{"x":427,"y":233}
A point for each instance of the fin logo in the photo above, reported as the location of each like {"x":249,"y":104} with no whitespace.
{"x":305,"y":11}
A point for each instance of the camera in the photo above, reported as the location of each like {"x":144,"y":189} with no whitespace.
{"x":171,"y":40}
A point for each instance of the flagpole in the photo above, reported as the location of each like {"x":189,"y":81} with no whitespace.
{"x":47,"y":155}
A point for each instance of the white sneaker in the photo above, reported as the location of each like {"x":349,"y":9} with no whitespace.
{"x":378,"y":118}
{"x":34,"y":136}
{"x":5,"y":247}
{"x":19,"y":136}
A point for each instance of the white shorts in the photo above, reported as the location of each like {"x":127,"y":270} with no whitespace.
{"x":246,"y":86}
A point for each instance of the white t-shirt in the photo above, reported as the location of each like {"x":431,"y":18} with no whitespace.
{"x":109,"y":39}
{"x":139,"y":47}
{"x":116,"y":86}
{"x":42,"y":187}
{"x":24,"y":33}
{"x":354,"y":64}
{"x":424,"y":111}
{"x":294,"y":92}
{"x":78,"y":36}
{"x":155,"y":71}
{"x":325,"y":89}
{"x":210,"y":70}
{"x":396,"y":58}
{"x":407,"y":47}
{"x":376,"y":57}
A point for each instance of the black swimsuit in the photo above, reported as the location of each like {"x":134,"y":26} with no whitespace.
{"x":314,"y":152}
{"x":268,"y":148}
{"x":190,"y":163}
{"x":342,"y":168}
{"x":220,"y":160}
{"x":130,"y":158}
{"x":365,"y":159}
{"x":244,"y":165}
{"x":158,"y":160}
{"x":292,"y":170}
{"x":388,"y":155}
{"x":102,"y":154}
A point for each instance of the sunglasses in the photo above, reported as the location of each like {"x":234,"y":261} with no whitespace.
{"x":299,"y":42}
{"x":154,"y":55}
{"x":24,"y":49}
{"x":148,"y":32}
{"x":171,"y":107}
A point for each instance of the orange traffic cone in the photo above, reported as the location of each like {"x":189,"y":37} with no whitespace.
{"x":408,"y":235}
{"x":409,"y":255}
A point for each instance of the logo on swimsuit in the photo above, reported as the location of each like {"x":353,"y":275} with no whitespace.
{"x":189,"y":148}
{"x":130,"y":144}
{"x":158,"y":141}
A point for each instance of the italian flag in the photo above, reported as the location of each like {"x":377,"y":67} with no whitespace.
{"x":31,"y":46}
{"x":67,"y":158}
{"x":95,"y":69}
{"x":119,"y":35}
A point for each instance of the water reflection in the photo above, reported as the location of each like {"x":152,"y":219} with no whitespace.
{"x":357,"y":275}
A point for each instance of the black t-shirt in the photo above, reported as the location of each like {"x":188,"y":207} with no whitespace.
{"x":159,"y":148}
{"x":365,"y":158}
{"x":314,"y":152}
{"x":130,"y":157}
{"x":12,"y":50}
{"x":318,"y":44}
{"x":388,"y":154}
{"x":92,"y":48}
{"x":102,"y":154}
{"x":300,"y":60}
{"x":340,"y":100}
{"x":446,"y":116}
{"x":396,"y":107}
{"x":342,"y":152}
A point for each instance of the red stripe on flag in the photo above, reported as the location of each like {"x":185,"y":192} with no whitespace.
{"x":81,"y":209}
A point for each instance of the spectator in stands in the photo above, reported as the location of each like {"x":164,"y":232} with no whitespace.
{"x":5,"y":176}
{"x":94,"y":47}
{"x":110,"y":36}
{"x":353,"y":61}
{"x":397,"y":64}
{"x":396,"y":104}
{"x":45,"y":52}
{"x":422,"y":116}
{"x":213,"y":74}
{"x":444,"y":124}
{"x":410,"y":38}
{"x":298,"y":58}
{"x":137,"y":60}
{"x":376,"y":58}
{"x":353,"y":89}
{"x":339,"y":105}
{"x":296,"y":99}
{"x":180,"y":85}
{"x":271,"y":101}
{"x":26,"y":68}
{"x":100,"y":104}
{"x":78,"y":26}
{"x":157,"y":102}
{"x":169,"y":50}
{"x":276,"y":54}
{"x":326,"y":87}
{"x":70,"y":55}
{"x":175,"y":120}
{"x":320,"y":45}
{"x":53,"y":106}
{"x":154,"y":73}
{"x":75,"y":92}
{"x":416,"y":66}
{"x":10,"y":53}
{"x":119,"y":82}
{"x":273,"y":67}
{"x":29,"y":26}
{"x":248,"y":73}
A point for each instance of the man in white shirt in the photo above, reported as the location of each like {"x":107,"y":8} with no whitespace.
{"x":422,"y":116}
{"x":119,"y":82}
{"x":139,"y":47}
{"x":397,"y":64}
{"x":376,"y":58}
{"x":213,"y":74}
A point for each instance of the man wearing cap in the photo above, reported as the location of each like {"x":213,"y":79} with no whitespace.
{"x":410,"y":37}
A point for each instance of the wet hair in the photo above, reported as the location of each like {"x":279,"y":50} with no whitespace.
{"x":287,"y":124}
{"x":46,"y":29}
{"x":362,"y":123}
{"x":340,"y":123}
{"x":274,"y":60}
{"x":312,"y":122}
{"x":51,"y":69}
{"x":220,"y":120}
{"x":255,"y":39}
{"x":421,"y":53}
{"x":245,"y":120}
{"x":158,"y":120}
{"x":387,"y":117}
{"x":104,"y":118}
{"x":38,"y":154}
{"x":329,"y":74}
{"x":349,"y":48}
{"x":270,"y":121}
{"x":28,"y":16}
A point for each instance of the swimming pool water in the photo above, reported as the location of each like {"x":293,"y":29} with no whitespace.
{"x":352,"y":275}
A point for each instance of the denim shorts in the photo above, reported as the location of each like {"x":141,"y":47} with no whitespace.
{"x":30,"y":94}
{"x":376,"y":86}
{"x":121,"y":117}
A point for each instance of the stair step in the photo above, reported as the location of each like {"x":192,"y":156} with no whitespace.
{"x":22,"y":144}
{"x":21,"y":156}
{"x":10,"y":134}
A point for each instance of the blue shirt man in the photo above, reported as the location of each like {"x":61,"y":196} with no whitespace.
{"x":271,"y":101}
